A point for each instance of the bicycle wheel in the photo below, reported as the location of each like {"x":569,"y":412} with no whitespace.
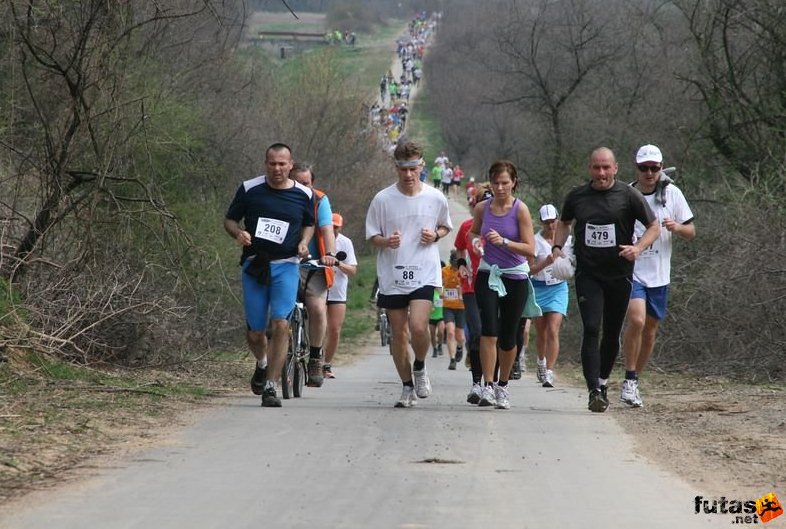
{"x":288,"y":377}
{"x":300,"y":379}
{"x":383,"y":330}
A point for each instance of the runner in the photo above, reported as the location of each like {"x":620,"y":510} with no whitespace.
{"x":436,"y":324}
{"x":337,"y":294}
{"x":316,"y":281}
{"x":602,"y":214}
{"x":280,"y":214}
{"x":652,"y":272}
{"x":468,"y":262}
{"x":453,"y":310}
{"x":404,"y":222}
{"x":552,"y":296}
{"x":501,"y":284}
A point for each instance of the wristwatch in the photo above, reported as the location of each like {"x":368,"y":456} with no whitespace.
{"x":505,"y":242}
{"x":436,"y":235}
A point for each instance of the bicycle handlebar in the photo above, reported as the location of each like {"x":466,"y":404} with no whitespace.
{"x":340,"y":256}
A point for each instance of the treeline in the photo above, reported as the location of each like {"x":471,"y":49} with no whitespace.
{"x":544,"y":82}
{"x":125,"y":128}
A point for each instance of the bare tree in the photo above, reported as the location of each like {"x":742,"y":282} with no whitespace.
{"x":739,"y":72}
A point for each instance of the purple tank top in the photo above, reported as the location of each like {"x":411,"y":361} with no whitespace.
{"x":508,"y":226}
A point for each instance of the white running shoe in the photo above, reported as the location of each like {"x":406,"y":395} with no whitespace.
{"x":408,"y":398}
{"x":629,"y":394}
{"x":502,"y":394}
{"x":475,"y":394}
{"x":422,"y":383}
{"x":541,"y":372}
{"x":487,"y":397}
{"x":548,"y":379}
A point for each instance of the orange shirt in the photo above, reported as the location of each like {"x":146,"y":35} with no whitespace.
{"x":451,"y":288}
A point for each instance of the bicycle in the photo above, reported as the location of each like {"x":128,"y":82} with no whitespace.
{"x":382,"y":325}
{"x":294,"y":374}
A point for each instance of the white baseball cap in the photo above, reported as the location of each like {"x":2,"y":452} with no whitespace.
{"x":548,"y":212}
{"x":649,"y":153}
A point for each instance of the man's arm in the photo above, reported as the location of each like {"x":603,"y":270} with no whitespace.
{"x":234,"y":230}
{"x":632,"y":252}
{"x":561,"y":236}
{"x":305,"y":237}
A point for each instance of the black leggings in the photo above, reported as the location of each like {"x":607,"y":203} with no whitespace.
{"x":473,"y":323}
{"x":601,"y":302}
{"x":500,"y":316}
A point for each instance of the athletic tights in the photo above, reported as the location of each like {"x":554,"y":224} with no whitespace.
{"x":603,"y":304}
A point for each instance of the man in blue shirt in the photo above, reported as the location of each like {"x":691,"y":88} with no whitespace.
{"x":277,"y":216}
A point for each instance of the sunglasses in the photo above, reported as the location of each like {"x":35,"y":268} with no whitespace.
{"x":649,"y":168}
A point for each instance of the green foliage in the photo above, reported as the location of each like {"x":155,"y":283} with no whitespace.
{"x":360,"y":313}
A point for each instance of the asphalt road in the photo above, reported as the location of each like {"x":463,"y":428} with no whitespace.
{"x":343,"y":457}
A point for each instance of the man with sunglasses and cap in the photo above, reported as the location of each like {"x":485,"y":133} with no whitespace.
{"x":652,"y":271}
{"x":404,"y":223}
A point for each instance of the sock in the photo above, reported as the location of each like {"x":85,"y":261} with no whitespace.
{"x":489,"y":383}
{"x":603,"y":381}
{"x":409,"y":384}
{"x":270,"y":384}
{"x":459,"y":349}
{"x":315,"y":352}
{"x":262,"y":364}
{"x":502,"y":384}
{"x":418,"y":365}
{"x":631,"y":375}
{"x":542,"y":361}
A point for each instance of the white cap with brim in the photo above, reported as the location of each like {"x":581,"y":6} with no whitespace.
{"x":548,"y":212}
{"x":649,"y":153}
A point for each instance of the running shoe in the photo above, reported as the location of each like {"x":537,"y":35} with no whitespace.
{"x":452,"y":365}
{"x":629,"y":394}
{"x":269,"y":399}
{"x":439,"y":350}
{"x":597,"y":403}
{"x":258,"y":380}
{"x":327,"y":371}
{"x":515,"y":372}
{"x":548,"y":379}
{"x":408,"y":398}
{"x":541,"y":372}
{"x":475,"y":393}
{"x":435,"y":352}
{"x":628,"y":391}
{"x":422,"y":383}
{"x":459,"y":353}
{"x":487,"y":396}
{"x":502,"y":395}
{"x":315,"y":377}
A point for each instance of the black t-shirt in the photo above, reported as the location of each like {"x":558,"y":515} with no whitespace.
{"x":604,"y":221}
{"x":275,"y":218}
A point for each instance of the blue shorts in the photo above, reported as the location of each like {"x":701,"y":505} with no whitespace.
{"x":276,"y":300}
{"x":656,"y":298}
{"x":551,"y":298}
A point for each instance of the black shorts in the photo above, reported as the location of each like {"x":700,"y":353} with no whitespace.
{"x":434,"y":322}
{"x":336,"y":302}
{"x":401,"y":301}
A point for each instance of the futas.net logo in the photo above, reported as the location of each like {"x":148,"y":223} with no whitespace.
{"x":763,"y":510}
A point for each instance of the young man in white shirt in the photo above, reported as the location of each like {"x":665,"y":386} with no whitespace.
{"x":652,"y":272}
{"x":404,"y":223}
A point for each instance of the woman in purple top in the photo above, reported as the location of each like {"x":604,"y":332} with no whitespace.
{"x":503,"y":226}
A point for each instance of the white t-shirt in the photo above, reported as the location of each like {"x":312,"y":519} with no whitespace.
{"x":653,"y":266}
{"x":412,"y":265}
{"x":338,"y":292}
{"x":542,"y":251}
{"x":441,"y":160}
{"x":447,"y":175}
